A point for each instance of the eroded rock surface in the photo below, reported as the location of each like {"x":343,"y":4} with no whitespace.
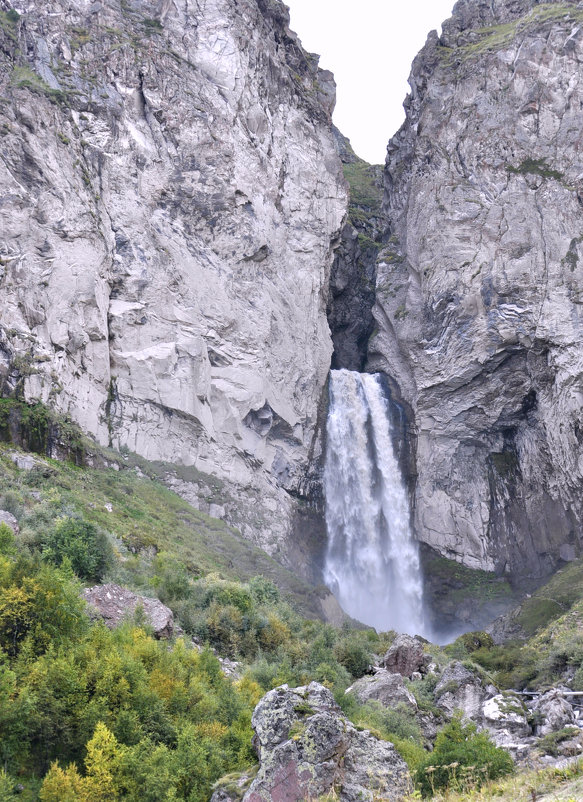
{"x":506,"y":719}
{"x":171,"y":192}
{"x":115,"y":604}
{"x":462,"y":689}
{"x":406,"y":656}
{"x":307,"y":749}
{"x":555,"y":711}
{"x":384,"y":687}
{"x":480,"y":286}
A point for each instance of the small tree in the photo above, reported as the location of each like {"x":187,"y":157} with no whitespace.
{"x":82,"y":543}
{"x":62,"y":785}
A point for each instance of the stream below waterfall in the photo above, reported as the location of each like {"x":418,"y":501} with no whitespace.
{"x":372,"y":560}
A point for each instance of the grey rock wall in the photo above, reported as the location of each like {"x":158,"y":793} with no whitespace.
{"x":170,"y":195}
{"x":480,"y":285}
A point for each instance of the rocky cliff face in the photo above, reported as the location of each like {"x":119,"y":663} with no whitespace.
{"x":480,"y":285}
{"x":352,"y":280}
{"x":171,"y":195}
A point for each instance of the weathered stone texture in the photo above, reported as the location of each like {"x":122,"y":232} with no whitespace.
{"x":307,"y":749}
{"x":170,"y":193}
{"x":115,"y":604}
{"x":480,"y":286}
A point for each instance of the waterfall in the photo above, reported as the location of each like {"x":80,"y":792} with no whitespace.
{"x":372,"y":561}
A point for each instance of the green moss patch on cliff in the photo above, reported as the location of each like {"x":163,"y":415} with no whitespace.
{"x":36,"y":428}
{"x":366,"y":192}
{"x":535,"y":167}
{"x":456,"y":595}
{"x":497,"y":37}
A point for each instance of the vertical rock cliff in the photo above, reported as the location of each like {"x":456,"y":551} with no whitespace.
{"x":480,"y":284}
{"x":171,"y":195}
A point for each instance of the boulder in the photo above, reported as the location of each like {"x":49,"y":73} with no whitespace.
{"x":115,"y":604}
{"x":406,"y":656}
{"x":556,"y":712}
{"x":461,"y":689}
{"x":9,"y":519}
{"x":505,"y":718}
{"x":25,"y":462}
{"x":307,"y":748}
{"x":388,"y":689}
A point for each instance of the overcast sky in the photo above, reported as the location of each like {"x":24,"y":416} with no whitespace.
{"x":369,"y":46}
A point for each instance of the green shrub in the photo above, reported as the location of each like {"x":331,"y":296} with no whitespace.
{"x":7,"y":786}
{"x":263,"y":590}
{"x":468,"y":643}
{"x":390,"y":722}
{"x":549,"y":744}
{"x":353,"y":655}
{"x":82,"y":544}
{"x":171,"y":579}
{"x":7,"y":541}
{"x":462,"y":758}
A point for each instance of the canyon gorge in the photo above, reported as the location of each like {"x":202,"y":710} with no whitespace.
{"x":182,"y":261}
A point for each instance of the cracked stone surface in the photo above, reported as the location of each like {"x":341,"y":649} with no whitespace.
{"x":480,"y":285}
{"x":115,"y":604}
{"x":170,"y":193}
{"x":307,"y":748}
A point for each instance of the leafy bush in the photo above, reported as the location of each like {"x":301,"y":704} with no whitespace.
{"x":353,"y":655}
{"x":468,"y":643}
{"x":83,"y":544}
{"x":263,"y":590}
{"x":397,"y":721}
{"x":462,"y":758}
{"x":7,"y":541}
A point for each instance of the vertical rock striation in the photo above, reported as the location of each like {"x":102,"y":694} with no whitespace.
{"x":171,"y":194}
{"x":352,"y":280}
{"x":480,"y":286}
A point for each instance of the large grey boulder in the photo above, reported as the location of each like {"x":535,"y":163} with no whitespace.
{"x":307,"y":748}
{"x":406,"y":656}
{"x":555,"y":710}
{"x":462,"y":689}
{"x":388,"y":689}
{"x":505,"y":717}
{"x":115,"y":604}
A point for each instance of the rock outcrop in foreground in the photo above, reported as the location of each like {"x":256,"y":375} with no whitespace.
{"x":171,"y":194}
{"x":307,"y":748}
{"x":479,"y":290}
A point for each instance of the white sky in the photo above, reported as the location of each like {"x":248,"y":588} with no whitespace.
{"x":369,"y":45}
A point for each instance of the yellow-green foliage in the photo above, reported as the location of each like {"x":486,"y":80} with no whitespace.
{"x":144,"y":516}
{"x":109,"y":715}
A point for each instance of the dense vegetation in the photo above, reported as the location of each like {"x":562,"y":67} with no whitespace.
{"x":108,"y":714}
{"x":92,"y":714}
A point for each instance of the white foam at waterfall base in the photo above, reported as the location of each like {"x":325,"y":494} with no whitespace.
{"x":372,"y":560}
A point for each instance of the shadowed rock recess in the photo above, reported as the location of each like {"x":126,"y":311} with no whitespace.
{"x":480,"y":284}
{"x":171,"y":198}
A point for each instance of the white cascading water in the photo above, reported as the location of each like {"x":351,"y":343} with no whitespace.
{"x":372,"y":561}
